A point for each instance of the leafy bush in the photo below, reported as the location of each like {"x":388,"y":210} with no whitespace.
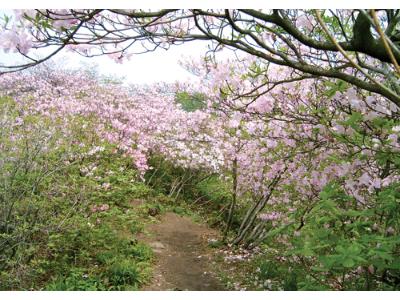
{"x":359,"y":247}
{"x":65,"y":215}
{"x":77,"y":280}
{"x":123,"y":273}
{"x":191,"y":102}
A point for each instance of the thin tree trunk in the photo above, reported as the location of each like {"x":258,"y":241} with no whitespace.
{"x":232,"y":206}
{"x":248,"y":222}
{"x":255,"y":233}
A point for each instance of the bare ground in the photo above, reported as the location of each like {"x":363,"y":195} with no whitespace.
{"x":183,"y":260}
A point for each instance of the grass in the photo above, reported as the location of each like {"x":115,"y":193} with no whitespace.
{"x":100,"y":253}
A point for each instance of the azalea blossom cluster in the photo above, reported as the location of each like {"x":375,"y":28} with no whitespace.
{"x":277,"y":123}
{"x":137,"y":121}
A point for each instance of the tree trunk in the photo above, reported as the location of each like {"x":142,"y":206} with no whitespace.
{"x":233,"y":202}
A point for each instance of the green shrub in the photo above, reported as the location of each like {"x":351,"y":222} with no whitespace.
{"x":77,"y":280}
{"x":123,"y":273}
{"x":214,"y":189}
{"x":191,"y":102}
{"x":141,"y":252}
{"x":268,"y":270}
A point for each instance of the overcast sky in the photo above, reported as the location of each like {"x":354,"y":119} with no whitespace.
{"x":160,"y":65}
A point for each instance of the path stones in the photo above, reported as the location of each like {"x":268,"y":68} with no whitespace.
{"x":157,"y":247}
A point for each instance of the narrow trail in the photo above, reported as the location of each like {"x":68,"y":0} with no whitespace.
{"x":183,"y":261}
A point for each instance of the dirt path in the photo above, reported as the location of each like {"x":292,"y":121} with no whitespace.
{"x":183,"y":260}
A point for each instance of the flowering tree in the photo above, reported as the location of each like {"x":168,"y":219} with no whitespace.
{"x":293,"y":112}
{"x":304,"y":150}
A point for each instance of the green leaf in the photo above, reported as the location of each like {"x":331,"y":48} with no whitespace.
{"x":348,"y":263}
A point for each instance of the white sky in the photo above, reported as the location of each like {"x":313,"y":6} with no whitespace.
{"x":147,"y":68}
{"x":160,"y":65}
